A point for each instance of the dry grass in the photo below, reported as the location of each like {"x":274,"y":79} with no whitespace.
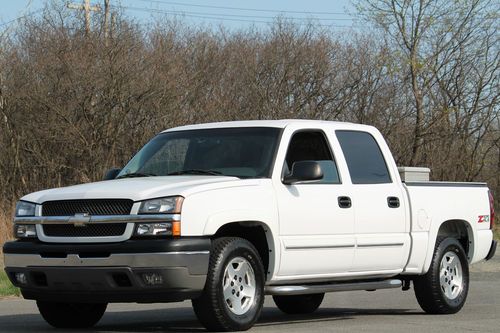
{"x":5,"y":231}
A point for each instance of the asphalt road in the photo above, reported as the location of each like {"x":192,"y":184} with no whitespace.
{"x":379,"y":311}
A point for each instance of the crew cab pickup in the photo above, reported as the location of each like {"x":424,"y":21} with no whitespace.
{"x":226,"y":213}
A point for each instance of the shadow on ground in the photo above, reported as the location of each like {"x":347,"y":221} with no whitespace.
{"x":184,"y":320}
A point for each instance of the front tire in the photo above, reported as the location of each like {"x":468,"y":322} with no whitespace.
{"x":234,"y":291}
{"x":299,"y":304}
{"x":71,"y":315}
{"x":443,"y":289}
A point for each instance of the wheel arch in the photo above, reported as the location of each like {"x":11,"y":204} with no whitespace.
{"x":256,"y":232}
{"x":455,"y":228}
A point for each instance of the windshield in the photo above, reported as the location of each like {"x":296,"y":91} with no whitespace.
{"x":245,"y":152}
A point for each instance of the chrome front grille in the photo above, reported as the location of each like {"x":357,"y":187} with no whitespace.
{"x":87,"y":206}
{"x":89,"y":230}
{"x":73,"y":229}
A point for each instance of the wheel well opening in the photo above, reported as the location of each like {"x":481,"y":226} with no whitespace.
{"x":459,"y":230}
{"x":253,"y":232}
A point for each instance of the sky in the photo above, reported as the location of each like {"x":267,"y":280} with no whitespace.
{"x":232,"y":14}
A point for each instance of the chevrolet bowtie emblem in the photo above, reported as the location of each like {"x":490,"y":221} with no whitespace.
{"x":80,"y":219}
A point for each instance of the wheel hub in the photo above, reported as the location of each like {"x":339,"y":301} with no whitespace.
{"x":450,"y":275}
{"x":238,"y":285}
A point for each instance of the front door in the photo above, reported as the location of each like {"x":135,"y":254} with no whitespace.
{"x":316,"y":234}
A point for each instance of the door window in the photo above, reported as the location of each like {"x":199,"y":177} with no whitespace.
{"x":364,"y":158}
{"x":312,"y":146}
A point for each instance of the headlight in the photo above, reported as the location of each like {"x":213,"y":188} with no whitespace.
{"x":168,"y":205}
{"x":24,"y":231}
{"x":154,"y":229}
{"x":24,"y":208}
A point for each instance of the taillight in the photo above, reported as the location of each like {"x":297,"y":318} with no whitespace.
{"x":492,"y":210}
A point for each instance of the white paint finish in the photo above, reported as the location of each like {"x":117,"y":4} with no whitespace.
{"x":326,"y":254}
{"x":381,"y":252}
{"x":310,"y":216}
{"x":309,"y":236}
{"x":423,"y":220}
{"x":375,"y":221}
{"x":418,"y":252}
{"x":135,"y":188}
{"x":374,"y":218}
{"x":442,"y":204}
{"x":483,"y":244}
{"x":254,"y":202}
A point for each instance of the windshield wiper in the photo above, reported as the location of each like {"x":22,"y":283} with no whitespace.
{"x":135,"y":174}
{"x":195,"y":172}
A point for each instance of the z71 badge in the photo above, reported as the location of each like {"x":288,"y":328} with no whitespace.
{"x":483,"y":218}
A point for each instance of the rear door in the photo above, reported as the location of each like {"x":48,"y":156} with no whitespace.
{"x":378,"y":199}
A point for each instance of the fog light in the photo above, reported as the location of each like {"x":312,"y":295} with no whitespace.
{"x":21,"y":278}
{"x":152,"y":279}
{"x":24,"y":231}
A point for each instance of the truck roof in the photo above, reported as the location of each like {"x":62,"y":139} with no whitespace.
{"x":282,"y":123}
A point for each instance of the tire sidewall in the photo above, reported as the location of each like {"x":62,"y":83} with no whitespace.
{"x":452,"y":245}
{"x":241,"y":248}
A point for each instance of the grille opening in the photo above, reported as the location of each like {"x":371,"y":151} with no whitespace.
{"x":39,"y":278}
{"x":122,"y":280}
{"x":53,"y":255}
{"x":90,"y":230}
{"x":87,"y":206}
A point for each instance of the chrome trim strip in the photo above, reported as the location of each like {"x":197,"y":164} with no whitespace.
{"x":381,"y":245}
{"x":134,"y":260}
{"x":330,"y":287}
{"x":100,"y":219}
{"x":318,"y":247}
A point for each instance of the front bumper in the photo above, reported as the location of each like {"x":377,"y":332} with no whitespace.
{"x":110,"y":272}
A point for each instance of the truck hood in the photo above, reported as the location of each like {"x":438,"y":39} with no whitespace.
{"x":138,"y":188}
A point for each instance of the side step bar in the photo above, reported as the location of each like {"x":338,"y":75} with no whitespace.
{"x":325,"y":288}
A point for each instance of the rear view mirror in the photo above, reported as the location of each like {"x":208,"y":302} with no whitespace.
{"x":303,"y":171}
{"x":111,"y":173}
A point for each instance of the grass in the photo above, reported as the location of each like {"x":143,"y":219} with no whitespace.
{"x":6,"y":288}
{"x":496,"y":232}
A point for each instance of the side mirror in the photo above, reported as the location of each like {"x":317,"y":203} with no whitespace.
{"x":303,"y":171}
{"x":111,"y":173}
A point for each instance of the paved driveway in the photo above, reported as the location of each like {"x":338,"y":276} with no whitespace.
{"x":379,"y":311}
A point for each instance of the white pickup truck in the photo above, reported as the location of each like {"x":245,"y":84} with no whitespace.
{"x":226,"y":213}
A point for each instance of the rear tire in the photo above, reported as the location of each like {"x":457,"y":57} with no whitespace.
{"x":443,"y":289}
{"x":234,"y":291}
{"x":71,"y":315}
{"x":299,"y":304}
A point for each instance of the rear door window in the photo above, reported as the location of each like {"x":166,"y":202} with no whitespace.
{"x":364,"y":158}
